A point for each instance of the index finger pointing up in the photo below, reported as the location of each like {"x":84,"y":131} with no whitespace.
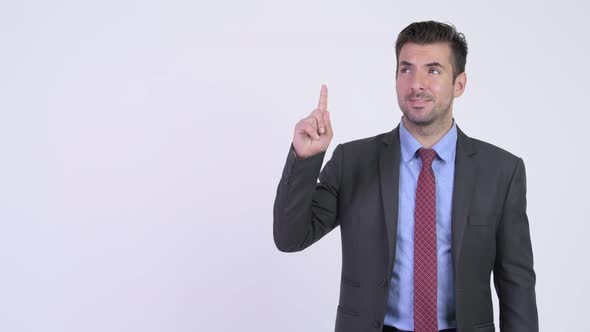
{"x":323,"y":104}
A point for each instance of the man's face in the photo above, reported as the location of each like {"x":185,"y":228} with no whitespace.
{"x":424,"y":83}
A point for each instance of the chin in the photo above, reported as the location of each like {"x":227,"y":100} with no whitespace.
{"x":422,"y":123}
{"x":419,"y":120}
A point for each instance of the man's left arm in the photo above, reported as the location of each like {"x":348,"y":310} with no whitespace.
{"x":514,"y":276}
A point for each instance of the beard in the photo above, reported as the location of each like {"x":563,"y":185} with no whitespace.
{"x":422,"y":117}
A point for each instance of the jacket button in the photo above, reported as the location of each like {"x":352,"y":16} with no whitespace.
{"x":376,"y":324}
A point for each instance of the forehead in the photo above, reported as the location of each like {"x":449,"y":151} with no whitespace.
{"x":426,"y":53}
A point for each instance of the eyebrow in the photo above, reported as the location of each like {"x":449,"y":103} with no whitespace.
{"x":434,"y":64}
{"x":431,"y":64}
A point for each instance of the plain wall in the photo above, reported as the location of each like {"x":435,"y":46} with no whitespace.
{"x":141,"y":143}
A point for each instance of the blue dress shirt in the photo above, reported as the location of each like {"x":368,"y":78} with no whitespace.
{"x":400,"y":304}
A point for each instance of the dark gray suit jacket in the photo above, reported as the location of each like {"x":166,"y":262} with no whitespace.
{"x":358,"y":191}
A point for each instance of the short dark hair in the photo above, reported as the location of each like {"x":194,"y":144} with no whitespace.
{"x":429,"y":32}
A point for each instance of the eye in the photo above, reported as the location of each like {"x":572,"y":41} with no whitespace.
{"x":434,"y":70}
{"x":404,"y":70}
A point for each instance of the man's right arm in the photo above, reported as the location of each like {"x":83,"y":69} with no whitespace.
{"x":305,"y":210}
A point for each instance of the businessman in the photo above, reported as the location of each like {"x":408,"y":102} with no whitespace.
{"x":426,"y":213}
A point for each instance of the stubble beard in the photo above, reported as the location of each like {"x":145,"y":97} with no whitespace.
{"x":434,"y":122}
{"x":436,"y":117}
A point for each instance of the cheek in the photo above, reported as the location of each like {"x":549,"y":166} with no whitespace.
{"x":400,"y":87}
{"x":438,"y":89}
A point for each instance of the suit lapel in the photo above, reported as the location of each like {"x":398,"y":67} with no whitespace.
{"x":463,"y":186}
{"x":389,"y":172}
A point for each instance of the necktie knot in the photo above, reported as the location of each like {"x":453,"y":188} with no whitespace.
{"x":427,"y":156}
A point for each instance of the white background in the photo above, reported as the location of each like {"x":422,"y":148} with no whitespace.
{"x":141,"y":143}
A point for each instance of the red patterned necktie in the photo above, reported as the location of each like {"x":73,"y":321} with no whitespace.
{"x":425,"y":259}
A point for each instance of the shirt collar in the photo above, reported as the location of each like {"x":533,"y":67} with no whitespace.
{"x":445,"y":147}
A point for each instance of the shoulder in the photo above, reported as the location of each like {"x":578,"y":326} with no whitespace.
{"x":365,"y":142}
{"x":492,"y":159}
{"x":489,"y":150}
{"x":484,"y":149}
{"x":366,"y":146}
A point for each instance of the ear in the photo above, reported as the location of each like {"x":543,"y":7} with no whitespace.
{"x":460,"y":83}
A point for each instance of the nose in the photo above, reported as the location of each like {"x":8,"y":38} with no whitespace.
{"x":418,"y":82}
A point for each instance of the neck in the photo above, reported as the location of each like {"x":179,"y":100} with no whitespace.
{"x":428,"y":135}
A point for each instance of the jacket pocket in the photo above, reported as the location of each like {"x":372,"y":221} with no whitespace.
{"x":350,"y":283}
{"x":347,"y":311}
{"x":488,"y":327}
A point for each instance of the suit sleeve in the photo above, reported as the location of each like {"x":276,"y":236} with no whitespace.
{"x":305,"y":210}
{"x":514,"y":276}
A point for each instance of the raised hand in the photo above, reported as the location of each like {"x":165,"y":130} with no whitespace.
{"x":314,"y":133}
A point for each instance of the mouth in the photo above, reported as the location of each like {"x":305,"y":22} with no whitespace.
{"x":418,"y":102}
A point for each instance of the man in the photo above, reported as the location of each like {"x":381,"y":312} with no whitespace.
{"x":426,"y":213}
